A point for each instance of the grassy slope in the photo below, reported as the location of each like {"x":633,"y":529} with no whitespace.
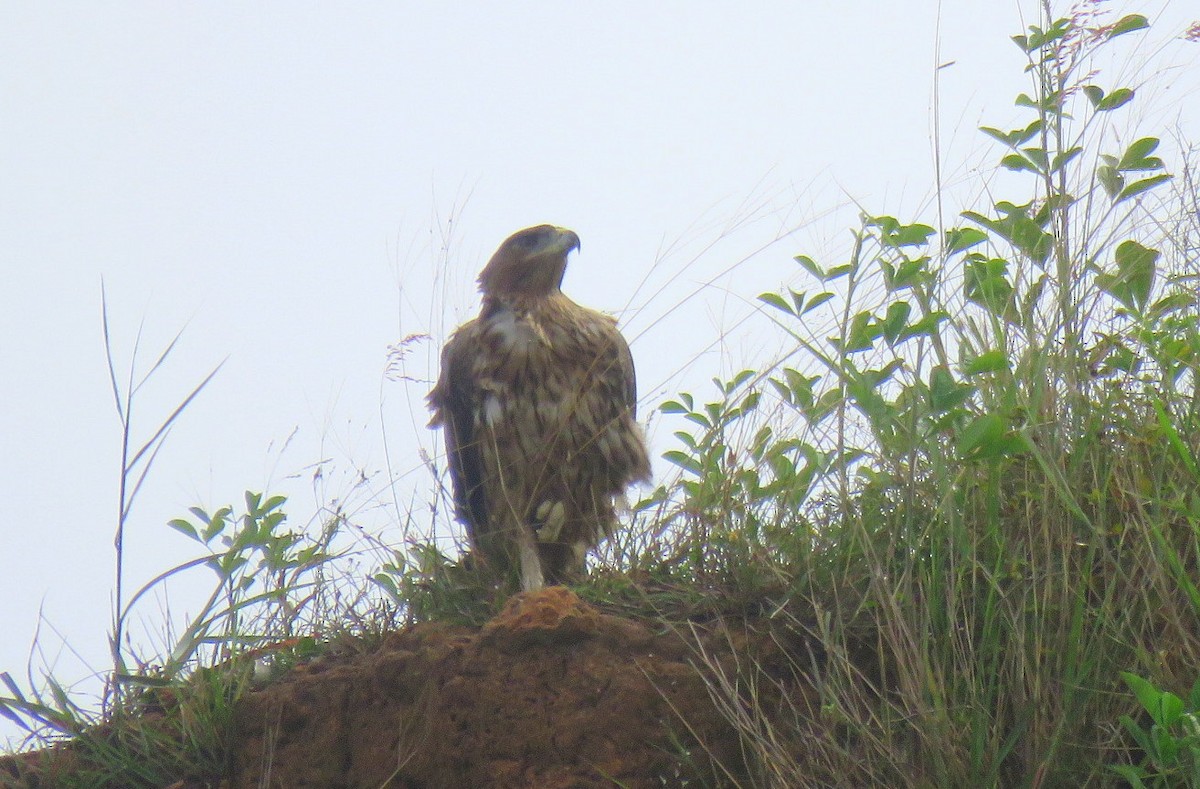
{"x":980,"y":496}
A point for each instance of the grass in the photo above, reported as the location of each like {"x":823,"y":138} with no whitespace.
{"x":986,"y":469}
{"x":965,"y":507}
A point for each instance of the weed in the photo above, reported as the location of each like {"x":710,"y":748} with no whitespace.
{"x":1171,"y":744}
{"x":985,"y":467}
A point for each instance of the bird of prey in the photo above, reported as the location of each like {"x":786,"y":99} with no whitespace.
{"x":538,"y":402}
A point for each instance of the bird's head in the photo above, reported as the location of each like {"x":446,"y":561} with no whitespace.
{"x":530,"y":262}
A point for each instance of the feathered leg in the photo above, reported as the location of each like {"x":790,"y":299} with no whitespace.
{"x":531,"y":562}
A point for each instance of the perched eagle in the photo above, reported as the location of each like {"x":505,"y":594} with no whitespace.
{"x":538,"y":401}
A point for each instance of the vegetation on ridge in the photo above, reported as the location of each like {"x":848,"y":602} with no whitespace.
{"x":973,"y":489}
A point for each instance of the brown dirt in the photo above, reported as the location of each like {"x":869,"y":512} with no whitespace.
{"x":550,"y":694}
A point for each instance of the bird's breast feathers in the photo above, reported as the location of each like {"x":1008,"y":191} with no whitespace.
{"x":549,"y":338}
{"x":535,"y":367}
{"x":508,"y":332}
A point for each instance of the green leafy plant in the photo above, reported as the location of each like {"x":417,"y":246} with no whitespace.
{"x":264,"y":577}
{"x":136,"y":463}
{"x":426,"y":583}
{"x":267,"y":578}
{"x":1170,"y":744}
{"x":991,"y":425}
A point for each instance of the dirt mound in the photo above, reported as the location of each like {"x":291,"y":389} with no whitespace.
{"x":549,"y":694}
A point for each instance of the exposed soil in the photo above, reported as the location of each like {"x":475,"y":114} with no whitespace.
{"x":551,"y":694}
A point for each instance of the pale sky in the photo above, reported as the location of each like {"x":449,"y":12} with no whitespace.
{"x":297,"y":186}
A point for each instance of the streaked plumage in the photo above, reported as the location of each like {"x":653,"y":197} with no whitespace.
{"x":538,"y":401}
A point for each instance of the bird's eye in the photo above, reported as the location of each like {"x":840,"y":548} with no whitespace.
{"x":532,"y":239}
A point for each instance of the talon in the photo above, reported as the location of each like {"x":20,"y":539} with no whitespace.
{"x":552,"y":515}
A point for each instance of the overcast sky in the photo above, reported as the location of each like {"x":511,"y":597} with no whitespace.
{"x":298,"y":186}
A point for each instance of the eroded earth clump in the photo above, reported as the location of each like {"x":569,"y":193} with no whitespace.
{"x":551,"y":693}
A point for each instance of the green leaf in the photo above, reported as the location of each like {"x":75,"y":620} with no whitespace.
{"x":928,"y":325}
{"x":987,"y":362}
{"x":685,"y":462}
{"x":1118,"y":98}
{"x":1132,"y":282}
{"x":1171,"y":303}
{"x":1039,"y":38}
{"x":673,"y":407}
{"x":1018,"y":163}
{"x":817,"y":301}
{"x":1164,"y":748}
{"x":180,"y":525}
{"x":1146,"y":694}
{"x":1131,"y":773}
{"x":988,"y":438}
{"x":945,"y":393}
{"x":983,"y":431}
{"x":1031,"y":239}
{"x":686,"y":439}
{"x":896,"y":320}
{"x":1137,"y":732}
{"x":1063,"y":157}
{"x":959,"y":239}
{"x":1055,"y":202}
{"x":810,"y":266}
{"x":776,"y":301}
{"x":1127,"y":24}
{"x":1170,"y":709}
{"x":996,"y":134}
{"x":1015,"y":137}
{"x":741,"y":378}
{"x":1018,"y":229}
{"x":985,"y":282}
{"x":797,"y":299}
{"x":1137,"y":156}
{"x":910,"y":273}
{"x":1110,"y":178}
{"x":912,"y":235}
{"x":1137,"y":187}
{"x":863,"y":333}
{"x":1038,"y":156}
